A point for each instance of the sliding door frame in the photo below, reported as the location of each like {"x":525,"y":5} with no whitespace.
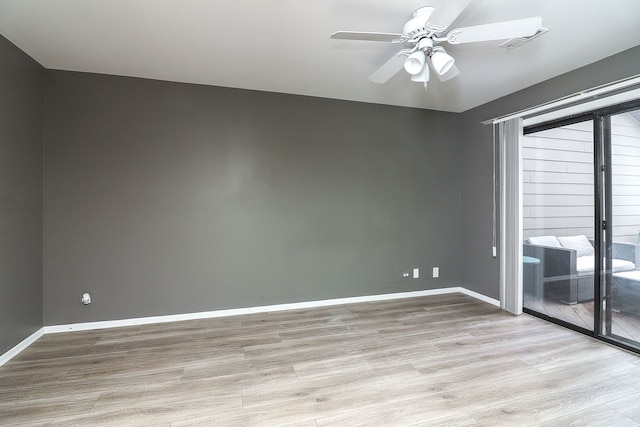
{"x":603,"y":220}
{"x":565,"y":121}
{"x":605,"y":301}
{"x":606,"y":241}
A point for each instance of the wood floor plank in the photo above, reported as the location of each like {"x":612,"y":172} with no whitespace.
{"x":597,"y":416}
{"x":565,"y":403}
{"x":446,"y":360}
{"x":409,"y":412}
{"x":629,"y":406}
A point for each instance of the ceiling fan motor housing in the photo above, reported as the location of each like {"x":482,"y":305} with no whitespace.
{"x":425,"y":44}
{"x":424,"y":11}
{"x":418,"y":22}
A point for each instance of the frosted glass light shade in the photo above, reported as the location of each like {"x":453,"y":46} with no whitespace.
{"x":422,"y":77}
{"x":441,"y":62}
{"x":415,"y":62}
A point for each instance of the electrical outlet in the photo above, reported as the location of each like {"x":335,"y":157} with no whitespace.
{"x":86,"y":298}
{"x":436,"y":272}
{"x":416,"y":273}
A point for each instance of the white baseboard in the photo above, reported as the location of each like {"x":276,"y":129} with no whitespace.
{"x":481,"y":297}
{"x":233,"y":312}
{"x":13,"y":352}
{"x":261,"y":309}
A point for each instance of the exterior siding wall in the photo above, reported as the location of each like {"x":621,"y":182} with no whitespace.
{"x":625,"y":155}
{"x":558,"y":180}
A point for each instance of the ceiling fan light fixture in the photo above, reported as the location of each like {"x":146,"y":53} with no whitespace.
{"x":415,"y":62}
{"x":427,"y":28}
{"x":422,"y":76}
{"x":441,"y":62}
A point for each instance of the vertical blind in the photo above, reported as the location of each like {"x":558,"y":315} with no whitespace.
{"x":510,"y":142}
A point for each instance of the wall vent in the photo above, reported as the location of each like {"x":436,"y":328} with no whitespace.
{"x":519,"y":41}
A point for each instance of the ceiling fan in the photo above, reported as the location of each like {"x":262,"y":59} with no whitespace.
{"x":423,"y":34}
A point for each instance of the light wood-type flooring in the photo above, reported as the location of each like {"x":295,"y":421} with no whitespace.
{"x":443,"y":360}
{"x":582,"y":315}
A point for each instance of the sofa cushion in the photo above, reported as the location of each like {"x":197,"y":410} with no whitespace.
{"x":551,"y":241}
{"x":630,"y":275}
{"x":584,"y":265}
{"x":580,"y":243}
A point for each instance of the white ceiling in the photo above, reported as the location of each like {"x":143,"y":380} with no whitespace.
{"x":284,"y":45}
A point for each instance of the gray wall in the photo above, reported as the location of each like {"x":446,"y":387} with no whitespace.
{"x":21,"y":143}
{"x":479,"y":270}
{"x":166,"y":198}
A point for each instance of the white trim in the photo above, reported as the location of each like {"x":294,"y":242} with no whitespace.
{"x":262,"y":309}
{"x":595,"y":93}
{"x":22,"y":345}
{"x":4,"y":358}
{"x":575,"y":110}
{"x":476,"y":295}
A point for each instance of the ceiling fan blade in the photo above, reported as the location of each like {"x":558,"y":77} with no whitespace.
{"x":497,"y":31}
{"x":446,"y":12}
{"x":453,"y":72}
{"x":359,"y":35}
{"x":388,"y":70}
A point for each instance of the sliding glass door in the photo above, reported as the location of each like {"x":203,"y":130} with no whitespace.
{"x":581,"y":223}
{"x":558,"y":221}
{"x":621,"y":274}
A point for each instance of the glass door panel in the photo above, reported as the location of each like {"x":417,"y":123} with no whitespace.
{"x":621,"y":284}
{"x":558,"y":222}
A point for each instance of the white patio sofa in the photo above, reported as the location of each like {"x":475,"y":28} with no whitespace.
{"x":567,"y":265}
